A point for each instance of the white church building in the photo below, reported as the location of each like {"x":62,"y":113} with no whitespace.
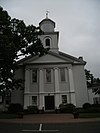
{"x":53,"y":78}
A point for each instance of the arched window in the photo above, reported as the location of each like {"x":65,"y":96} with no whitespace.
{"x":47,"y":42}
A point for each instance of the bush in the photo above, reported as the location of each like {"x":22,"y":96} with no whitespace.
{"x":96,"y":105}
{"x":66,"y":108}
{"x":32,"y":109}
{"x":15,"y":108}
{"x":91,"y":108}
{"x":86,"y":106}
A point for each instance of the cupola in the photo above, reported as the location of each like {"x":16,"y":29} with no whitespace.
{"x":47,"y":25}
{"x":49,"y":37}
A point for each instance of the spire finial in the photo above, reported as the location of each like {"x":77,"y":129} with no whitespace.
{"x":47,"y":12}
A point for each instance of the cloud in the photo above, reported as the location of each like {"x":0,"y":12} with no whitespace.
{"x":78,"y":22}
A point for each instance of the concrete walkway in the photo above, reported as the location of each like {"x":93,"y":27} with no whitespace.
{"x":48,"y":118}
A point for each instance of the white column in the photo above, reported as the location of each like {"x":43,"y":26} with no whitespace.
{"x":27,"y":80}
{"x":41,"y":81}
{"x":71,"y":81}
{"x":26,"y":101}
{"x":57,"y":98}
{"x":71,"y":84}
{"x":41,"y":89}
{"x":56,"y":75}
{"x":27,"y":85}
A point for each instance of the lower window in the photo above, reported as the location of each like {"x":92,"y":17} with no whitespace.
{"x":96,"y":100}
{"x":34,"y":100}
{"x":0,"y":99}
{"x":64,"y":99}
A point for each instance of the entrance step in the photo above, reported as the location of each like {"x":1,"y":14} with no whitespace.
{"x":49,"y":111}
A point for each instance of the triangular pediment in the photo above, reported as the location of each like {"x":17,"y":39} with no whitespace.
{"x":52,"y":57}
{"x":48,"y":58}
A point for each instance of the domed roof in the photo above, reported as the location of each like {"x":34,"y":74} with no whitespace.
{"x":47,"y":20}
{"x":47,"y":25}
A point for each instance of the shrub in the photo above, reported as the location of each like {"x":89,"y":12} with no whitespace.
{"x":66,"y":108}
{"x":86,"y":106}
{"x":89,"y":108}
{"x":15,"y":108}
{"x":96,"y":105}
{"x":32,"y":109}
{"x":94,"y":110}
{"x":80,"y":110}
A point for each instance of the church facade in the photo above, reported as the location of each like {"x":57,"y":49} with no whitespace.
{"x":53,"y":78}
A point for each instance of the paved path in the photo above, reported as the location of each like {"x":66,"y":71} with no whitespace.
{"x":49,"y":118}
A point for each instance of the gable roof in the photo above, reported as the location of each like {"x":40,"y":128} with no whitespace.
{"x":75,"y":60}
{"x":52,"y":57}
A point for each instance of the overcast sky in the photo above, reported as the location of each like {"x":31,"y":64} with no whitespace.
{"x":78,"y":22}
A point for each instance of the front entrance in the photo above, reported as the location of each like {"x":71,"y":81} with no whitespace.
{"x":49,"y":103}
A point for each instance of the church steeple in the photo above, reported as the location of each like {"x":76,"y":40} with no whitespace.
{"x":49,"y":37}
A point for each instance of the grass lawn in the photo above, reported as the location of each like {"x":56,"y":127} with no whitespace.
{"x":89,"y":115}
{"x":7,"y":116}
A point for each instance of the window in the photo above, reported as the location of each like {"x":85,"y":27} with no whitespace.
{"x":34,"y":100}
{"x":0,"y":99}
{"x":96,"y":100}
{"x":47,"y":42}
{"x":34,"y":75}
{"x":64,"y":99}
{"x":48,"y":75}
{"x":62,"y":74}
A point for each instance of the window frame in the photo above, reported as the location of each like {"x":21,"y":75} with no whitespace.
{"x":47,"y":42}
{"x":46,"y":80}
{"x":62,"y":79}
{"x":1,"y":98}
{"x":96,"y":100}
{"x":35,"y":79}
{"x":34,"y":101}
{"x":64,"y":99}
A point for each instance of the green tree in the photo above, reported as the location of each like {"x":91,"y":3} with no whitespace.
{"x":89,"y":78}
{"x":92,"y":82}
{"x":16,"y":39}
{"x":96,"y":86}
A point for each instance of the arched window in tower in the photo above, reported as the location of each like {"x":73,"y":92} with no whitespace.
{"x":47,"y":42}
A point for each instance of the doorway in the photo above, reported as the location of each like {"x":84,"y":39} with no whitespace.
{"x":49,"y":103}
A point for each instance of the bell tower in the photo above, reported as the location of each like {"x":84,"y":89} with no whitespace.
{"x":49,"y":37}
